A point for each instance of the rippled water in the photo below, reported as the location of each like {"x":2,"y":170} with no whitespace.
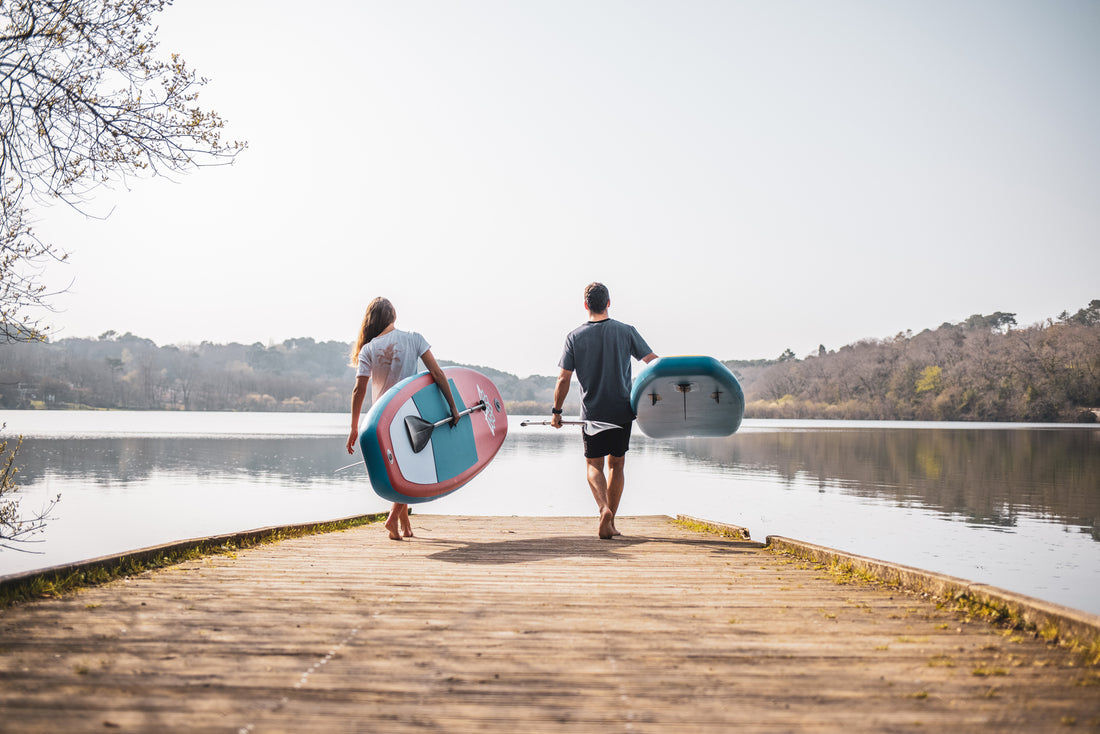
{"x":1010,"y":505}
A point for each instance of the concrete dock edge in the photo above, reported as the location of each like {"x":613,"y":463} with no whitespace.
{"x":1052,"y":621}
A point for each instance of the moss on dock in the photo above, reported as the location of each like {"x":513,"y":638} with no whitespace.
{"x":60,"y":580}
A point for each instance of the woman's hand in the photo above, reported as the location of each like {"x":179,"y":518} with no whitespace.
{"x":351,"y":440}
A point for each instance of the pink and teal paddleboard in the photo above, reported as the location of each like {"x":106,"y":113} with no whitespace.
{"x":411,"y":460}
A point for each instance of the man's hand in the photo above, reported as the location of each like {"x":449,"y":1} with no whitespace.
{"x":555,"y":420}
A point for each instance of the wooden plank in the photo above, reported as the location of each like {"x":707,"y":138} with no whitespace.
{"x":506,"y":624}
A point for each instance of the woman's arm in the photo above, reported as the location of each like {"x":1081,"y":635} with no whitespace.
{"x":358,"y":395}
{"x":444,"y":386}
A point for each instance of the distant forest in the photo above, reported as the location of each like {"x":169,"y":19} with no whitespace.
{"x":985,"y":368}
{"x":128,"y":372}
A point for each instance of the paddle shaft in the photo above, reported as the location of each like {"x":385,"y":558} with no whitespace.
{"x":591,"y":428}
{"x":480,"y":405}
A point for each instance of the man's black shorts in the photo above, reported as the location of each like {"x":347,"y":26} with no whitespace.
{"x":614,"y":441}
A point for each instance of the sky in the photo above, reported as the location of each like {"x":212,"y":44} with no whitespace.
{"x":746,"y":177}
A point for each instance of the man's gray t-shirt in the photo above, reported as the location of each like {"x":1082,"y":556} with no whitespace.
{"x":598,"y":353}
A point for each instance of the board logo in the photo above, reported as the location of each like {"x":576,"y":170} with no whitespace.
{"x":490,"y":414}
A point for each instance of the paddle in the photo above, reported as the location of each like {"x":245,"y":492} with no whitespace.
{"x":590,"y":427}
{"x":420,"y":430}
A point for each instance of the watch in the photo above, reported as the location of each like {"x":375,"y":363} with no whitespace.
{"x":555,"y":411}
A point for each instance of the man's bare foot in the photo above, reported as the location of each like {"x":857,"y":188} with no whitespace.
{"x":607,"y":525}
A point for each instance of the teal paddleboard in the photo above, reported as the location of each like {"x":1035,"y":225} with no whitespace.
{"x":680,"y":397}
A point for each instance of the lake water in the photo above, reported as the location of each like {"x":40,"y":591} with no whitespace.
{"x":1015,"y":506}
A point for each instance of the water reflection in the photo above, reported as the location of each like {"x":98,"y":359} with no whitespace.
{"x":300,"y":460}
{"x":986,"y":477}
{"x":989,"y":478}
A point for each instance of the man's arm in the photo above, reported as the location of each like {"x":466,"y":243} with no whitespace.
{"x":649,"y":357}
{"x":561,"y":389}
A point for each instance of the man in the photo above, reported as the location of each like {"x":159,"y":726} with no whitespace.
{"x":599,"y":351}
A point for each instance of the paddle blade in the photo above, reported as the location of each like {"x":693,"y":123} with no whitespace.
{"x":420,"y":432}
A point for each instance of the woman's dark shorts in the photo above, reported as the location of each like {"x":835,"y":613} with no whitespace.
{"x":614,"y":441}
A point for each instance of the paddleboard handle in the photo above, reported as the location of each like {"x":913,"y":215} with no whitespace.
{"x":420,"y":430}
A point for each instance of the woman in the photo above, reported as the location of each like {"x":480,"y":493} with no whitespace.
{"x":384,"y":356}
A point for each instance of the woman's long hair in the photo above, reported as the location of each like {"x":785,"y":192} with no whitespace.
{"x":380,"y":314}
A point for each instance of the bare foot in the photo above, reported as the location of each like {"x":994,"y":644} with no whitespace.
{"x":391,"y":526}
{"x":607,"y":525}
{"x":408,"y":532}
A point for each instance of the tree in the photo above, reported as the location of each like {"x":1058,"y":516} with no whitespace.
{"x":14,"y":527}
{"x":1087,"y":316}
{"x":84,"y":102}
{"x":996,"y":321}
{"x":22,"y":256}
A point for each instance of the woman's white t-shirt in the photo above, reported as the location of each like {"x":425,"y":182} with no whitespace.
{"x":390,"y":358}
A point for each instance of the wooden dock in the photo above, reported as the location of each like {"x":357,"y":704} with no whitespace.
{"x":522,"y":624}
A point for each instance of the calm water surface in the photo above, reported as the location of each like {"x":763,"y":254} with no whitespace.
{"x":1014,"y":506}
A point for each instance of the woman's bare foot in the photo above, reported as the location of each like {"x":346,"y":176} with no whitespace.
{"x":391,"y":526}
{"x":408,"y":532}
{"x":607,"y":524}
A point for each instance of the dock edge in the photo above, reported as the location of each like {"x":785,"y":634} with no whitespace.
{"x":1050,"y":621}
{"x":56,"y":580}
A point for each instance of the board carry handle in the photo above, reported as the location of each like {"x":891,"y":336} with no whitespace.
{"x":591,"y":428}
{"x":420,"y":430}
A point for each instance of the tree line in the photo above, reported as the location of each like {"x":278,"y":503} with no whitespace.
{"x":981,"y":369}
{"x":984,"y":368}
{"x":130,"y":372}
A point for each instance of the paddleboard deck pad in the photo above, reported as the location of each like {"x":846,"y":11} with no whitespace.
{"x":680,"y":397}
{"x":453,"y":455}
